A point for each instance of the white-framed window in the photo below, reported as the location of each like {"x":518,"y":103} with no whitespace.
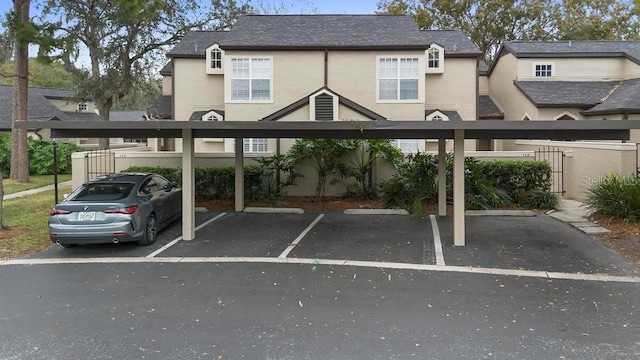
{"x":83,"y":107}
{"x":398,"y":79}
{"x":543,"y":70}
{"x":212,"y":116}
{"x":406,"y":145}
{"x":214,"y":60}
{"x":435,"y":59}
{"x":254,"y":145}
{"x":251,"y":79}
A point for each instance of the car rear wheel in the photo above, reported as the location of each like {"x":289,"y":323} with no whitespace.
{"x":149,"y":236}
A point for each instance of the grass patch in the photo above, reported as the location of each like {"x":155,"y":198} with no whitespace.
{"x":26,"y":222}
{"x":35,"y":181}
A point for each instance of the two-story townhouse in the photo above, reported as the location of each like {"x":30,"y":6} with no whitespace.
{"x":52,"y":104}
{"x":567,"y":80}
{"x":320,"y":68}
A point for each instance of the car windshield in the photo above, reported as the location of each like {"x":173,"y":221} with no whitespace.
{"x":102,"y":192}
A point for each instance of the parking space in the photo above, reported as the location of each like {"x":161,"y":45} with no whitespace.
{"x":529,"y":243}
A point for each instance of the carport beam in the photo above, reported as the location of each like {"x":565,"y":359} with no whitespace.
{"x":442,"y":177}
{"x":188,"y":186}
{"x":239,"y":200}
{"x":458,"y":188}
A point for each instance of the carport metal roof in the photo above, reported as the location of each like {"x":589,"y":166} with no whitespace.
{"x":481,"y":129}
{"x":457,"y":130}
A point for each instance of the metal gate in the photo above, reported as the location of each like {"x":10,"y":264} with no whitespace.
{"x":99,"y":162}
{"x":555,"y":157}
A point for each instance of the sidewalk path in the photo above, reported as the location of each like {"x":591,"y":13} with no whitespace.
{"x":577,"y":214}
{"x":36,"y":190}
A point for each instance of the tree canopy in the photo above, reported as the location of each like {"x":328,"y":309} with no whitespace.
{"x":489,"y":22}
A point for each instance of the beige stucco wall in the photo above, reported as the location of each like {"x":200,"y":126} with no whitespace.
{"x":632,"y":70}
{"x":455,"y":89}
{"x":580,"y":169}
{"x":575,"y":69}
{"x":553,"y":113}
{"x":483,"y":85}
{"x":194,"y":89}
{"x":72,"y":105}
{"x":504,"y":92}
{"x":166,"y":85}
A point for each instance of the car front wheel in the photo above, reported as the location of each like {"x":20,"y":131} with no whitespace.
{"x":149,"y":236}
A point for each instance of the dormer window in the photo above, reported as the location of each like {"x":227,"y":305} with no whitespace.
{"x":214,"y":61}
{"x":436,"y":116}
{"x":212,"y":116}
{"x":543,"y":70}
{"x":435,"y":59}
{"x":216,"y":58}
{"x":83,"y":107}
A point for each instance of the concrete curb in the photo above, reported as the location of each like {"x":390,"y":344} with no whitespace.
{"x":274,"y":210}
{"x":375,"y":212}
{"x":500,"y":213}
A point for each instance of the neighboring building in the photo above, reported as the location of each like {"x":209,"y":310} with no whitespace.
{"x":567,"y":80}
{"x":320,"y":68}
{"x":50,"y":104}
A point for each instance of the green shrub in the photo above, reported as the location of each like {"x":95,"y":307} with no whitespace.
{"x":212,"y":182}
{"x":5,"y":154}
{"x":480,"y":190}
{"x":271,"y":169}
{"x":540,"y":199}
{"x":41,"y":156}
{"x":517,"y":178}
{"x":616,"y":196}
{"x":414,"y":182}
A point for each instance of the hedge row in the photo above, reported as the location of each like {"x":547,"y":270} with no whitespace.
{"x":211,"y":182}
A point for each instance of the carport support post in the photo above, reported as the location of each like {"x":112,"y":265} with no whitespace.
{"x":239,"y":201}
{"x":442,"y":177}
{"x":458,"y":188}
{"x":188,"y":186}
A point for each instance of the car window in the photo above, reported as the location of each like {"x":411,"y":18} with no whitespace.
{"x":162,"y":182}
{"x":149,"y":186}
{"x":103,"y":192}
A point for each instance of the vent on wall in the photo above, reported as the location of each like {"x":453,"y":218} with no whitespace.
{"x":324,"y":107}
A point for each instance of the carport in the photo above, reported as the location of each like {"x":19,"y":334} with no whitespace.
{"x":456,"y":130}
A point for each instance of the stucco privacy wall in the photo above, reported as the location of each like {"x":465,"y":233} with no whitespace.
{"x":580,"y":169}
{"x":125,"y":158}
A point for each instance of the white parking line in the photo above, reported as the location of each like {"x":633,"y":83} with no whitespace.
{"x":295,"y":242}
{"x":175,"y":241}
{"x":437,"y":241}
{"x":331,"y":262}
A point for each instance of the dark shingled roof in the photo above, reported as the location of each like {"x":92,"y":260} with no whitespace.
{"x":325,"y":31}
{"x":630,"y":49}
{"x":128,"y":115}
{"x":487,"y":109}
{"x":581,"y":94}
{"x":166,"y":70}
{"x":162,"y":108}
{"x":194,"y":43}
{"x":81,"y":116}
{"x":39,"y":108}
{"x":624,"y":97}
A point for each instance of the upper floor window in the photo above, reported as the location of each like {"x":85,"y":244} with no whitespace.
{"x":398,"y":79}
{"x":436,"y":116}
{"x":83,"y":107}
{"x":543,"y":70}
{"x":251,"y":79}
{"x":216,"y":58}
{"x":433,"y":60}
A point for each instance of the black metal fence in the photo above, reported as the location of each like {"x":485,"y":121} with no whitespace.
{"x":99,"y":162}
{"x":555,"y":157}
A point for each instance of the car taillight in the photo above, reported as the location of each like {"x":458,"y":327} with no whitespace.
{"x":127,"y":210}
{"x":59,"y":212}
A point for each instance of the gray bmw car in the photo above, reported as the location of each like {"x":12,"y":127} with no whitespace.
{"x":116,"y":208}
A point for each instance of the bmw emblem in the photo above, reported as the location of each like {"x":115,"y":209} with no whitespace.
{"x":85,"y":208}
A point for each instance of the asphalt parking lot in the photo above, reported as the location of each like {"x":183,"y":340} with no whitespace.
{"x":330,"y":286}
